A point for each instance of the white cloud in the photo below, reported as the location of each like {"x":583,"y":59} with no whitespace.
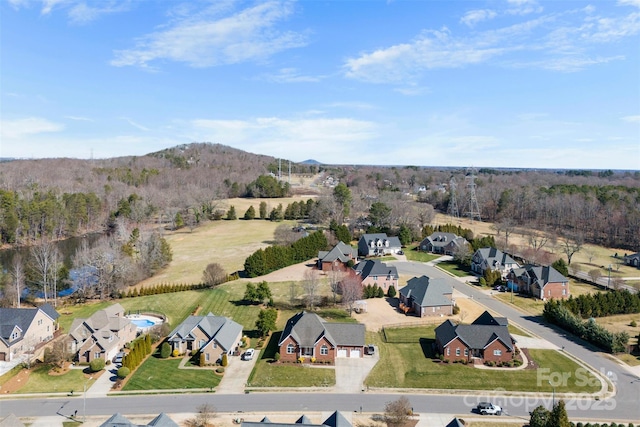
{"x":206,"y":39}
{"x":79,"y":118}
{"x":291,"y":75}
{"x":472,"y":17}
{"x":631,"y":119}
{"x":78,"y":11}
{"x":635,"y":3}
{"x":523,"y":7}
{"x":20,"y":128}
{"x":134,"y":124}
{"x":296,"y":139}
{"x":568,"y":41}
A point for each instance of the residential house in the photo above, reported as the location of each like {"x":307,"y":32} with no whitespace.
{"x":308,"y":337}
{"x":24,"y":330}
{"x":538,"y":281}
{"x":486,"y":339}
{"x":375,"y":272}
{"x":426,"y":296}
{"x":119,"y":420}
{"x":337,"y":258}
{"x":337,"y":419}
{"x":494,"y":259}
{"x":633,"y":260}
{"x":443,"y":243}
{"x":100,"y":336}
{"x":378,"y":244}
{"x":211,"y":335}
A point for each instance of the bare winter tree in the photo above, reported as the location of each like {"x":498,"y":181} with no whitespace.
{"x":351,"y":291}
{"x":425,"y":215}
{"x":397,"y":412}
{"x":505,"y":226}
{"x":336,"y":274}
{"x":214,"y":275}
{"x":42,"y":262}
{"x":203,"y":418}
{"x":311,"y":283}
{"x":571,"y":244}
{"x":285,"y":236}
{"x":18,"y":278}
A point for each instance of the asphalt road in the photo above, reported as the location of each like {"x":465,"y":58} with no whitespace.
{"x":624,"y":406}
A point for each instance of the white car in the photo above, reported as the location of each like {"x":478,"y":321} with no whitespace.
{"x":248,"y":355}
{"x":486,"y":408}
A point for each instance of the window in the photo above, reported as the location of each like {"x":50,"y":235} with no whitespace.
{"x":564,"y":292}
{"x":375,"y":277}
{"x":39,"y":322}
{"x":201,"y":344}
{"x":96,"y":355}
{"x":466,"y":351}
{"x":324,"y":350}
{"x":15,"y":335}
{"x":206,"y":357}
{"x":457,"y":352}
{"x":291,"y":349}
{"x":448,"y":351}
{"x":497,"y":352}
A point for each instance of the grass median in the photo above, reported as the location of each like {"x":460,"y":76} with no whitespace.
{"x":163,"y":374}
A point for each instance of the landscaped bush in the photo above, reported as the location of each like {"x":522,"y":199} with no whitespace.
{"x":176,"y":353}
{"x":96,"y":365}
{"x":633,"y":324}
{"x":277,"y":357}
{"x":202,"y":360}
{"x":220,"y":370}
{"x":225,"y":360}
{"x":165,"y":350}
{"x":123,"y":372}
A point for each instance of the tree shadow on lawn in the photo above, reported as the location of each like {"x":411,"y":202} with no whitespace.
{"x":272,"y":347}
{"x":427,"y":345}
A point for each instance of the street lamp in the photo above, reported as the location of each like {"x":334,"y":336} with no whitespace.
{"x":84,"y":400}
{"x":609,"y":282}
{"x":553,"y":394}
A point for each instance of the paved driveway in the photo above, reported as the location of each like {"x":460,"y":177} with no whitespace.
{"x":351,"y":373}
{"x":236,"y":375}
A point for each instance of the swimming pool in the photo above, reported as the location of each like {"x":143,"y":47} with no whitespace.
{"x":145,"y":321}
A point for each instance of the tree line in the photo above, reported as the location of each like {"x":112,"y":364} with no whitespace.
{"x":603,"y":304}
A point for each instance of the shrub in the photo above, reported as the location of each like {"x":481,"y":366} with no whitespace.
{"x":277,"y":357}
{"x":220,"y":370}
{"x":176,"y":353}
{"x":165,"y":350}
{"x":202,"y":360}
{"x":391,"y":293}
{"x":482,"y":281}
{"x":456,"y":309}
{"x":225,"y":360}
{"x":96,"y":365}
{"x":633,"y":324}
{"x":123,"y":372}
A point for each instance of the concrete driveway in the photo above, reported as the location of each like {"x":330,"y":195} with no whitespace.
{"x":236,"y":375}
{"x":351,"y":373}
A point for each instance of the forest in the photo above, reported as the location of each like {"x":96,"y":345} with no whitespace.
{"x":127,"y":198}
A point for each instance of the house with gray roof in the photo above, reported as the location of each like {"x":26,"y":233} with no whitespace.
{"x":487,"y":339}
{"x":374,"y":272}
{"x":633,"y":260}
{"x":309,"y":338}
{"x":494,"y":259}
{"x":119,"y":420}
{"x":541,"y":282}
{"x":211,"y":335}
{"x":25,"y":330}
{"x":378,"y":244}
{"x":337,"y":258}
{"x":101,"y":335}
{"x":426,"y":296}
{"x":336,"y":419}
{"x":443,"y":243}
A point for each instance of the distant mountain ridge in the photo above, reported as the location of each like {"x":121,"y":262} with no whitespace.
{"x":310,"y":162}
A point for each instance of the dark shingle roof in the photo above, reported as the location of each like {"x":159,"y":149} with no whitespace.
{"x":428,"y":292}
{"x":394,"y":242}
{"x":307,"y":328}
{"x":22,"y":318}
{"x":224,"y":330}
{"x":334,"y":420}
{"x":455,"y":423}
{"x":483,"y":331}
{"x":337,"y":420}
{"x":495,"y":256}
{"x":162,"y":420}
{"x":541,"y":275}
{"x":371,"y":267}
{"x":341,"y":252}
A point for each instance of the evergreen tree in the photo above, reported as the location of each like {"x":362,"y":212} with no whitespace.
{"x":559,"y":417}
{"x":266,"y":321}
{"x":231,"y":213}
{"x":561,"y":266}
{"x":250,"y":213}
{"x":539,"y":417}
{"x":391,"y":293}
{"x":263,"y":210}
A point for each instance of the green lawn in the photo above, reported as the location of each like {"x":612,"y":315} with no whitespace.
{"x":453,"y":268}
{"x":524,"y":303}
{"x":41,"y":382}
{"x":269,"y":374}
{"x":70,"y":312}
{"x":414,"y":367}
{"x":163,"y":374}
{"x":12,"y":373}
{"x":414,"y":255}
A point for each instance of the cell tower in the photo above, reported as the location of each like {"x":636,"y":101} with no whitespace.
{"x":453,"y":201}
{"x":474,"y":210}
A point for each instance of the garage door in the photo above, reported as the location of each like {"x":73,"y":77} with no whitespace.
{"x":354,"y":353}
{"x":342,"y":353}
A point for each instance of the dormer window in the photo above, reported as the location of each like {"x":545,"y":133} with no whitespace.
{"x":15,"y":335}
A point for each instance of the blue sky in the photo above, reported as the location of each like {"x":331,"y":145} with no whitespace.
{"x":517,"y":83}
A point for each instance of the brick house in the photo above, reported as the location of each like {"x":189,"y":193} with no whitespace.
{"x":100,"y":336}
{"x":541,"y":282}
{"x":211,"y":335}
{"x":374,"y":272}
{"x":487,"y":339}
{"x":308,"y":336}
{"x":426,"y":296}
{"x":23,"y":330}
{"x":337,"y":258}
